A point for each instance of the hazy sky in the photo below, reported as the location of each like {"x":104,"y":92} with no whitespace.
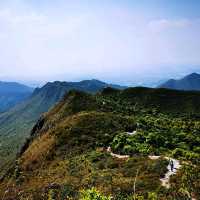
{"x":124,"y":41}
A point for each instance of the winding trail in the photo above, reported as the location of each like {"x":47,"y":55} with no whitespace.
{"x":116,"y":155}
{"x":131,"y":133}
{"x":164,"y":181}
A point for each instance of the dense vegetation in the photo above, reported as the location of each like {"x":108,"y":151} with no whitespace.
{"x":66,"y":156}
{"x":161,"y":135}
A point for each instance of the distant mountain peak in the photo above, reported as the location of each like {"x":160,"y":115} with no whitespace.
{"x":92,"y":85}
{"x":189,"y":82}
{"x":193,"y":75}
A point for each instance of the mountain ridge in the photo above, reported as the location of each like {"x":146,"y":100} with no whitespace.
{"x":12,"y":93}
{"x":188,"y":82}
{"x":16,"y":124}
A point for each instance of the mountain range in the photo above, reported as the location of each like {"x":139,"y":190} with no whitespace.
{"x":189,"y":82}
{"x":16,"y":123}
{"x":12,"y":93}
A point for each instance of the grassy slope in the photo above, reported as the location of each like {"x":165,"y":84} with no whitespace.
{"x":68,"y":149}
{"x":68,"y":154}
{"x":16,"y":124}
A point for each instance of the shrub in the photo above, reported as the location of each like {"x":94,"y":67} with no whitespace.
{"x":52,"y":195}
{"x":93,"y":194}
{"x":178,"y":152}
{"x":152,"y":196}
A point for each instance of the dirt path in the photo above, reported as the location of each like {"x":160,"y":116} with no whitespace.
{"x":131,"y":133}
{"x":166,"y":180}
{"x":116,"y":155}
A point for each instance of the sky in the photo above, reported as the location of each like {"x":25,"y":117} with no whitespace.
{"x":120,"y":41}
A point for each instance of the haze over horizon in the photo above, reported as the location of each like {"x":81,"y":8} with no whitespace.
{"x":126,"y":42}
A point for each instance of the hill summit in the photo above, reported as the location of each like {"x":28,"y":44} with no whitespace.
{"x":189,"y":82}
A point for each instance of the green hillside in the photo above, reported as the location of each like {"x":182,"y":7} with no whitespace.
{"x":16,"y":124}
{"x":66,"y":155}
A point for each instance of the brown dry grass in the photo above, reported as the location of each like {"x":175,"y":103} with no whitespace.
{"x":37,"y":150}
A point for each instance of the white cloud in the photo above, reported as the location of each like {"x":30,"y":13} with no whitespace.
{"x":114,"y":43}
{"x":166,"y":24}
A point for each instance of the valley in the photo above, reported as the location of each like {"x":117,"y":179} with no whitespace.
{"x":11,"y":94}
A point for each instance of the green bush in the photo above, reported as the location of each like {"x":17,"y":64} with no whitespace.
{"x":93,"y":194}
{"x":52,"y":195}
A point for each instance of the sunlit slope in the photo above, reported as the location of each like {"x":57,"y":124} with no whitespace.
{"x":15,"y":125}
{"x":68,"y":145}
